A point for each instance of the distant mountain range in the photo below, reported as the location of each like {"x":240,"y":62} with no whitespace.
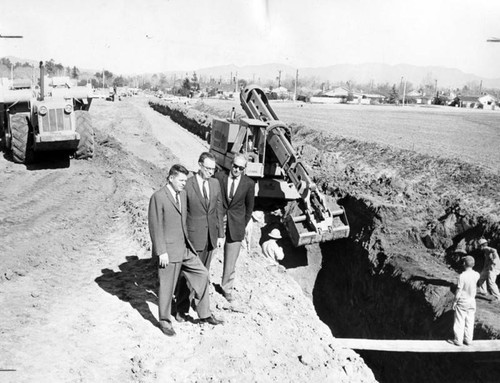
{"x":358,"y":73}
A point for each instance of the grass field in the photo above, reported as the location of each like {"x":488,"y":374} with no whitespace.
{"x":471,"y":135}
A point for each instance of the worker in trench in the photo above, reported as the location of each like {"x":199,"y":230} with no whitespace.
{"x":491,"y":269}
{"x":270,"y":248}
{"x":464,"y":304}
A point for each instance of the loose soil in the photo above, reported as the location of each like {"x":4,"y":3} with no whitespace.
{"x":79,"y":294}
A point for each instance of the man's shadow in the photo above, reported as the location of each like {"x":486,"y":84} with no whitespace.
{"x":136,"y":283}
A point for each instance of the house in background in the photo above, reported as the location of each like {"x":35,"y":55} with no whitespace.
{"x":468,"y":101}
{"x":368,"y":98}
{"x":417,"y":97}
{"x":338,"y":95}
{"x":488,"y":101}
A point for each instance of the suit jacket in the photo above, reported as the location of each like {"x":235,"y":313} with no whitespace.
{"x":204,"y":220}
{"x":239,"y":209}
{"x":167,"y":225}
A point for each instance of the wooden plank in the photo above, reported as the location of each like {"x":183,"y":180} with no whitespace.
{"x":399,"y":345}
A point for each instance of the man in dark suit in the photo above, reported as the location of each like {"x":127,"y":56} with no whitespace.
{"x":205,"y":225}
{"x":238,"y":195}
{"x":173,"y":250}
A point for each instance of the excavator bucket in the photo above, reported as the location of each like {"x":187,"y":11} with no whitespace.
{"x":302,"y":232}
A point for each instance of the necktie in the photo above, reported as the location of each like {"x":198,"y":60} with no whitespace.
{"x":231,"y":191}
{"x":205,"y":194}
{"x":177,"y":201}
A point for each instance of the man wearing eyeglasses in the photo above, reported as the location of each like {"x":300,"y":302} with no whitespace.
{"x":238,"y":195}
{"x":205,"y":226}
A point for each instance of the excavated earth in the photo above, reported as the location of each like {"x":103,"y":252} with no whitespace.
{"x":79,"y":294}
{"x":412,"y":216}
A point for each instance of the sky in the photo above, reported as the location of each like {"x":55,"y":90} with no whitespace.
{"x":145,"y":36}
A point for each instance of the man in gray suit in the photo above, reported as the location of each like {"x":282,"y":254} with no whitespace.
{"x":238,"y":195}
{"x":173,"y":250}
{"x":205,"y":224}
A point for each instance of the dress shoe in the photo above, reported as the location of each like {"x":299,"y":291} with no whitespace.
{"x":467,"y":343}
{"x":455,"y":342}
{"x":166,"y":328}
{"x":181,"y":317}
{"x":211,"y":320}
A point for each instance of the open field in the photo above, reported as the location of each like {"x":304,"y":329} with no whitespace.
{"x":471,"y":135}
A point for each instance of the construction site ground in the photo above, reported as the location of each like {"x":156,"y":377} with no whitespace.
{"x":78,"y":291}
{"x":79,"y":294}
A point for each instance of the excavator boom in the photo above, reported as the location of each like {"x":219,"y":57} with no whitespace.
{"x":310,"y":220}
{"x":277,"y":169}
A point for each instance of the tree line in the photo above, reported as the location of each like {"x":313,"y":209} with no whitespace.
{"x":191,"y":83}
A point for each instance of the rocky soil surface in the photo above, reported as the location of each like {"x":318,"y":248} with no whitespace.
{"x":78,"y":292}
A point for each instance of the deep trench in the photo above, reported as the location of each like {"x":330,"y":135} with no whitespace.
{"x":356,"y":300}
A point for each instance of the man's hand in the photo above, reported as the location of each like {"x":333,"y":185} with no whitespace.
{"x":220,"y":242}
{"x":454,"y":306}
{"x":164,"y":261}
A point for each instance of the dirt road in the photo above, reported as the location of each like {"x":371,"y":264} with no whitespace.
{"x":78,"y":293}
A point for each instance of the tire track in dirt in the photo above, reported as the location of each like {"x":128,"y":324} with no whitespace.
{"x":67,"y":314}
{"x":48,"y":204}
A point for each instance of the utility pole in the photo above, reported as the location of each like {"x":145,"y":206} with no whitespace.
{"x":404,"y":92}
{"x":296,"y":81}
{"x":279,"y":78}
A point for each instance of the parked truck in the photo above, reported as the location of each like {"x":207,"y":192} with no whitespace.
{"x":277,"y":170}
{"x":53,"y":116}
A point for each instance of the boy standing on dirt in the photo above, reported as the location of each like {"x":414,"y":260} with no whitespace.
{"x":490,"y":271}
{"x":465,"y":304}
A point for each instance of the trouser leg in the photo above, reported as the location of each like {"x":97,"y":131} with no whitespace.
{"x":481,"y":283}
{"x":197,"y":276}
{"x":168,"y":279}
{"x":231,"y":253}
{"x":459,"y":324}
{"x":182,"y":296}
{"x":492,"y":284}
{"x":469,"y":325}
{"x":206,"y":254}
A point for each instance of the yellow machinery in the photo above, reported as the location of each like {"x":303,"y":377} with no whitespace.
{"x":277,"y":170}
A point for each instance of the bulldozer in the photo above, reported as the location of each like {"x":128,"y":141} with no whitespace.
{"x":275,"y":166}
{"x":53,"y":116}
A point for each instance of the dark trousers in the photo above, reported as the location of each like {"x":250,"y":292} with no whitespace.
{"x":183,"y":294}
{"x":192,"y":270}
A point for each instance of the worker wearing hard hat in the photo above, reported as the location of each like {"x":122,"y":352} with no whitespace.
{"x":271,"y":249}
{"x":464,"y":304}
{"x":491,"y":269}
